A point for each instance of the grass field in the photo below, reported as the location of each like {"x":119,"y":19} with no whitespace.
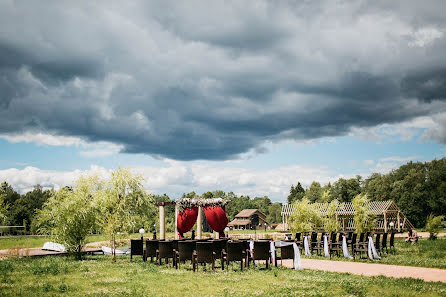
{"x":98,"y":276}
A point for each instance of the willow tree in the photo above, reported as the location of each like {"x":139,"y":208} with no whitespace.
{"x":306,"y":217}
{"x":363,"y":218}
{"x":331,"y":223}
{"x":69,"y":214}
{"x":122,"y":204}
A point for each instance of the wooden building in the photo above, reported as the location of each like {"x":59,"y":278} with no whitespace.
{"x":243,"y":219}
{"x":388,"y":215}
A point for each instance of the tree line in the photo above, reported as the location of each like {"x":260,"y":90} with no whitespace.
{"x":419,"y":189}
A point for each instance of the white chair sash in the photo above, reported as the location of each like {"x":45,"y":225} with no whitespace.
{"x":273,"y":252}
{"x":297,"y":263}
{"x":345,"y":248}
{"x":326,"y":253}
{"x":306,"y":247}
{"x":371,"y":251}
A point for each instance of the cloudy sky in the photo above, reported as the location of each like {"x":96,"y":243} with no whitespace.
{"x":248,"y":96}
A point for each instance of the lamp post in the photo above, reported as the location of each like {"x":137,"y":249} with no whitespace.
{"x":265,"y":226}
{"x":142,"y":231}
{"x":391,"y":224}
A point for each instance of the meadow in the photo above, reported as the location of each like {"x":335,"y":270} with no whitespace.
{"x":99,"y":276}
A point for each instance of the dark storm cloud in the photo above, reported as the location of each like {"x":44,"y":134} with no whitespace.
{"x":190,"y":80}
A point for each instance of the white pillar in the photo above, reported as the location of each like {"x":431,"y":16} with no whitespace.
{"x":162,"y":223}
{"x":200,"y":223}
{"x":176,"y":220}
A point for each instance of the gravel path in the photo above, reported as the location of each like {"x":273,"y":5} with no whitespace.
{"x":372,"y":269}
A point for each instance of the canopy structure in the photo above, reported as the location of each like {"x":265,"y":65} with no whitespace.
{"x":387,"y":212}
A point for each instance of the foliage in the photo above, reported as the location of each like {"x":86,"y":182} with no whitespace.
{"x":305,"y":218}
{"x":364,"y":219}
{"x":331,"y":223}
{"x":296,"y":193}
{"x":122,"y":203}
{"x":434,"y":225}
{"x":3,"y":209}
{"x":69,"y":215}
{"x":346,"y":189}
{"x":314,"y":193}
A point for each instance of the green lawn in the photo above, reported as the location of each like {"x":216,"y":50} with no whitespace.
{"x":426,"y":253}
{"x":98,"y":276}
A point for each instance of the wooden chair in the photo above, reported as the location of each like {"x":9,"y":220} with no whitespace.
{"x":313,"y":241}
{"x":234,"y":251}
{"x":165,"y":251}
{"x":184,"y":252}
{"x":318,"y":245}
{"x":392,"y":242}
{"x":361,"y":246}
{"x":204,"y":253}
{"x":334,"y":245}
{"x":286,"y":252}
{"x":352,"y":242}
{"x":377,"y":242}
{"x":136,"y":248}
{"x":261,"y":252}
{"x":219,"y":245}
{"x":151,"y":248}
{"x":247,"y":251}
{"x":298,"y":239}
{"x":384,"y":243}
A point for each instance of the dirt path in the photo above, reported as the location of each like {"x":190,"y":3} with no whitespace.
{"x":372,"y":269}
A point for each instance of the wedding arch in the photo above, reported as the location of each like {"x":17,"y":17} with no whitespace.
{"x":188,"y":211}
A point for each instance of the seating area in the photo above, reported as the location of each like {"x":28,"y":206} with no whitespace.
{"x":246,"y":253}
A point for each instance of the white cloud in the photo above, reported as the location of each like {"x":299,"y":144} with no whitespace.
{"x":424,"y":37}
{"x":90,"y":149}
{"x":181,"y":177}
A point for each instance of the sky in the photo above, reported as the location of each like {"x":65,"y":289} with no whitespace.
{"x":242,"y":96}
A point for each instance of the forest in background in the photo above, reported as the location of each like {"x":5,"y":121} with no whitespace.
{"x":418,"y":188}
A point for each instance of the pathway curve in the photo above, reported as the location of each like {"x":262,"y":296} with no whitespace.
{"x":373,"y":269}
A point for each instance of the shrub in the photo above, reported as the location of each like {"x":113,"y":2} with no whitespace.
{"x":434,"y":225}
{"x":306,"y":217}
{"x":364,"y":219}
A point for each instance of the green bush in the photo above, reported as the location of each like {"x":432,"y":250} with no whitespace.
{"x":434,"y":225}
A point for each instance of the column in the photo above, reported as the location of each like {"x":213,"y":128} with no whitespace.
{"x":162,"y":223}
{"x":200,"y":223}
{"x":176,"y":220}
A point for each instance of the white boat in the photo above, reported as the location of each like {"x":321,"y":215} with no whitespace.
{"x":108,"y":251}
{"x":52,"y":246}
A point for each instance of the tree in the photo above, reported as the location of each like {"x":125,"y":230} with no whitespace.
{"x":306,"y":217}
{"x":364,"y":219}
{"x":314,"y":193}
{"x":69,"y":215}
{"x":434,"y":225}
{"x":3,"y":209}
{"x":346,"y":189}
{"x":331,"y":223}
{"x":296,"y":193}
{"x":122,"y":202}
{"x":274,"y":215}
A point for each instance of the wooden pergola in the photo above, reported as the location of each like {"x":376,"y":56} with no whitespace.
{"x":387,"y":212}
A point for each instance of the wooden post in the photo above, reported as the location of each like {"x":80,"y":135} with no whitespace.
{"x":398,"y":219}
{"x":162,"y":223}
{"x":200,"y":223}
{"x":385,"y":222}
{"x":177,"y":236}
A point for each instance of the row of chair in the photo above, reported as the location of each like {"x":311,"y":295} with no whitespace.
{"x":202,"y":251}
{"x":355,"y":244}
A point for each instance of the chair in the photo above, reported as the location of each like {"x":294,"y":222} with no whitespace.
{"x":165,"y":251}
{"x":136,"y":248}
{"x":352,"y":242}
{"x":377,"y":242}
{"x":234,"y":251}
{"x":184,"y":252}
{"x":204,"y":253}
{"x":361,"y":246}
{"x":334,"y":245}
{"x":298,"y":238}
{"x":261,"y":251}
{"x":392,"y":242}
{"x":318,"y":245}
{"x":384,"y":243}
{"x":247,"y":250}
{"x":286,"y":252}
{"x":313,"y":241}
{"x":151,"y":248}
{"x":218,"y":245}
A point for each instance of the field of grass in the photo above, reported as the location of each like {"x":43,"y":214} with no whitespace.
{"x":99,"y":276}
{"x":426,"y":253}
